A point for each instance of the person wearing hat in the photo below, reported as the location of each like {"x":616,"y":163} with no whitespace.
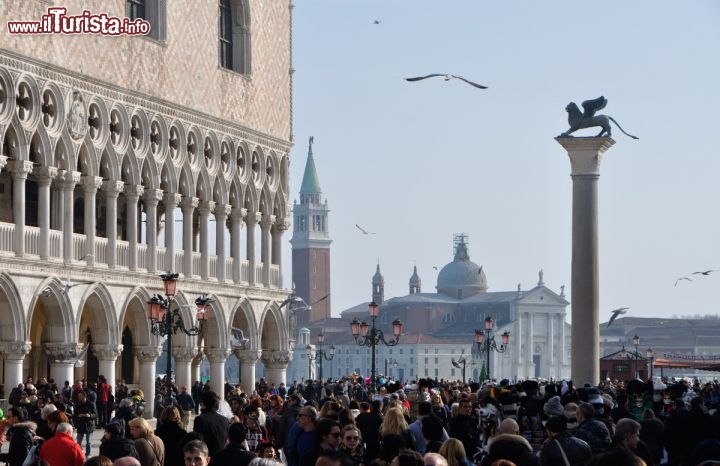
{"x":553,"y":407}
{"x":562,"y":448}
{"x":114,"y":445}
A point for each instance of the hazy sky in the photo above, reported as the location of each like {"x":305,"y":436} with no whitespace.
{"x":417,"y":162}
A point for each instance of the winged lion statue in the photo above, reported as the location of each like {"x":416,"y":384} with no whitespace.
{"x":588,"y":119}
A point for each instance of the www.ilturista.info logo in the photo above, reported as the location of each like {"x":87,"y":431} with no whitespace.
{"x":57,"y":21}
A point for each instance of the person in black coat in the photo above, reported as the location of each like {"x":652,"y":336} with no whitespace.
{"x":115,"y":445}
{"x":369,"y":423}
{"x":172,"y":435}
{"x":212,"y":426}
{"x":20,"y":435}
{"x":234,"y":453}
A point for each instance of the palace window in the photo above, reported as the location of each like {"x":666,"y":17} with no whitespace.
{"x":152,"y":11}
{"x":234,"y":35}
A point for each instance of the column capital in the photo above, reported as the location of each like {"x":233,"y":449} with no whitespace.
{"x":112,"y":188}
{"x":222,"y":210}
{"x":153,"y":196}
{"x":15,"y":349}
{"x":62,"y":352}
{"x":134,"y":191}
{"x":266,"y":221}
{"x":276,"y":359}
{"x":189,"y":203}
{"x":205,"y":207}
{"x":247,"y":356}
{"x":46,"y":175}
{"x":217,"y":354}
{"x":147,"y":353}
{"x":90,"y":183}
{"x":171,"y":200}
{"x":107,"y":352}
{"x":252,"y":218}
{"x":69,"y":179}
{"x":20,"y":169}
{"x":282,"y":224}
{"x":238,"y":213}
{"x":585,"y":153}
{"x":184,"y":353}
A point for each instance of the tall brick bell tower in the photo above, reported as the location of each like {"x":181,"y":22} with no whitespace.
{"x":311,"y":246}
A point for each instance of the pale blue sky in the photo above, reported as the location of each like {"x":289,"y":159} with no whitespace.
{"x":417,"y":162}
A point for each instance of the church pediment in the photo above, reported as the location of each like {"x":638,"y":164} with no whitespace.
{"x":542,"y":296}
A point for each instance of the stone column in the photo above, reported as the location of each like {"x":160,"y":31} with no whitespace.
{"x":14,"y":353}
{"x":147,"y":355}
{"x":248,"y":359}
{"x":236,"y":220}
{"x":561,"y":343}
{"x":217,"y":358}
{"x":530,"y":345}
{"x":221,"y":213}
{"x":188,"y":206}
{"x":276,"y":363}
{"x":204,"y":210}
{"x":107,"y":356}
{"x":151,"y":197}
{"x":69,"y":180}
{"x":90,"y":186}
{"x":62,"y":358}
{"x":585,"y":156}
{"x":183,"y":360}
{"x":170,"y":202}
{"x":250,"y":222}
{"x":195,"y":366}
{"x":132,"y":194}
{"x":45,"y":177}
{"x":111,"y":189}
{"x":265,"y":224}
{"x":277,"y":233}
{"x":19,"y":171}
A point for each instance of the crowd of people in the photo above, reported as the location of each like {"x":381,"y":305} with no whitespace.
{"x":351,"y":422}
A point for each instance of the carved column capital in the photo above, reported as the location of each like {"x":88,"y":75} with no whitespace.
{"x":91,"y":184}
{"x":107,"y":352}
{"x":62,"y":352}
{"x":282,"y":224}
{"x":247,"y":356}
{"x":69,"y":179}
{"x":15,"y":349}
{"x":134,"y":191}
{"x":217,"y":354}
{"x":45,"y":175}
{"x":276,"y":359}
{"x":171,"y":200}
{"x":266,"y":221}
{"x":189,"y":203}
{"x":205,"y":207}
{"x":222,"y":210}
{"x":112,"y":188}
{"x":147,"y":353}
{"x":238,"y":214}
{"x":20,"y":169}
{"x":152,"y":196}
{"x":184,"y":353}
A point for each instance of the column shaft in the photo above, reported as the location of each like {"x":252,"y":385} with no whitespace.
{"x":170,"y":201}
{"x":45,"y":178}
{"x":20,"y":171}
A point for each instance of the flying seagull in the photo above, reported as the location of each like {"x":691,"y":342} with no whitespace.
{"x":706,"y":272}
{"x":682,"y":278}
{"x":447,"y":77}
{"x":616,"y":313}
{"x":237,"y":340}
{"x":364,"y":231}
{"x":377,"y":21}
{"x":319,"y":300}
{"x":455,"y":363}
{"x":80,"y":360}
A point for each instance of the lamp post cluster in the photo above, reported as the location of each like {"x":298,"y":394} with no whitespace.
{"x":650,"y":355}
{"x":166,"y":320}
{"x":367,"y":335}
{"x":320,"y":354}
{"x":486,"y":342}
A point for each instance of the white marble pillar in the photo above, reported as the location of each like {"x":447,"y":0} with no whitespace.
{"x":236,"y":221}
{"x":170,"y":202}
{"x":221,"y":212}
{"x":45,"y":177}
{"x":195,"y":366}
{"x":69,"y":180}
{"x":90,"y":185}
{"x":111,"y":189}
{"x":250,"y":222}
{"x":265,"y":225}
{"x":217,"y":358}
{"x":204,"y":210}
{"x":561,"y":342}
{"x":183,"y":365}
{"x":151,"y":198}
{"x":147,"y":356}
{"x":275,"y":363}
{"x":19,"y":171}
{"x":132,"y":195}
{"x":14,"y":353}
{"x":188,"y":205}
{"x":248,"y":359}
{"x":107,"y":356}
{"x":277,"y":232}
{"x":585,"y":157}
{"x":530,"y":345}
{"x":62,"y":357}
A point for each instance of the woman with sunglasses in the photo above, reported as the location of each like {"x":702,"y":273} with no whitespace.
{"x":352,"y":445}
{"x":328,"y":433}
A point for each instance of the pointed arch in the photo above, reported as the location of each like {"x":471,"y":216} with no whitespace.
{"x":12,"y":318}
{"x":242,"y":316}
{"x":273,"y":330}
{"x":98,"y":303}
{"x":133,"y":314}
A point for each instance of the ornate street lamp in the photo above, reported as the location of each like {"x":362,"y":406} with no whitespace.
{"x":166,"y":320}
{"x":460,"y":362}
{"x":320,"y":354}
{"x":636,"y":342}
{"x":486,"y":341}
{"x":650,"y":354}
{"x":392,"y":362}
{"x":368,"y":335}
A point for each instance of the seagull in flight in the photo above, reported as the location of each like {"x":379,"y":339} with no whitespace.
{"x":364,"y":231}
{"x":237,"y":340}
{"x":682,"y":278}
{"x":447,"y":77}
{"x":80,"y":360}
{"x":706,"y":272}
{"x":377,"y":21}
{"x":616,"y":313}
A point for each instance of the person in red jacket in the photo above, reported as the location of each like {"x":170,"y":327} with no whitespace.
{"x":61,"y":449}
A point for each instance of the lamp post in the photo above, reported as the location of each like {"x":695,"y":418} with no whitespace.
{"x":166,"y":321}
{"x":650,"y":354}
{"x":486,"y":341}
{"x":636,"y":342}
{"x":368,"y":335}
{"x":457,"y":364}
{"x":390,"y":361}
{"x":321,"y":354}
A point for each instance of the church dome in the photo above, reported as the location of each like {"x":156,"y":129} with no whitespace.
{"x":462,"y":277}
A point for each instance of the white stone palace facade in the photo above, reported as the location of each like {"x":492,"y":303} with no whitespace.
{"x":126,"y":156}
